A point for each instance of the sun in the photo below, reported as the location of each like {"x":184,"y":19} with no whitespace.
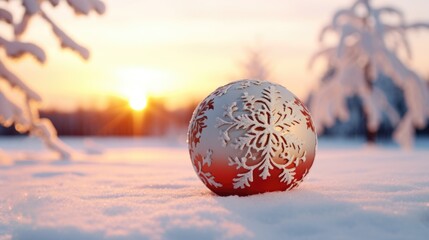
{"x":137,"y":85}
{"x":137,"y":103}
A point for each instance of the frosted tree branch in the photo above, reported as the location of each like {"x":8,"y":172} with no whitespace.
{"x":15,"y":81}
{"x":65,"y":40}
{"x":362,"y":53}
{"x":6,"y":16}
{"x":24,"y":114}
{"x":16,"y":49}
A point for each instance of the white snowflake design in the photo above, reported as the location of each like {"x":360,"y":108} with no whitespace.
{"x":243,"y":85}
{"x":246,"y":83}
{"x":206,"y":177}
{"x":222,"y":90}
{"x":296,"y":183}
{"x":266,"y":122}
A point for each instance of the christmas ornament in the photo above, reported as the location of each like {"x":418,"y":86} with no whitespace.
{"x":250,"y":137}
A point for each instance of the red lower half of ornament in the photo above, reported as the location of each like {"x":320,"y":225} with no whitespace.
{"x":226,"y":176}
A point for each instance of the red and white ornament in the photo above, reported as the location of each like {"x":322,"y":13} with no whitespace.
{"x":250,"y":137}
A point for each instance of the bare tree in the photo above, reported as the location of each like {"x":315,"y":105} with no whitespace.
{"x":18,"y":102}
{"x":366,"y":46}
{"x":255,"y":66}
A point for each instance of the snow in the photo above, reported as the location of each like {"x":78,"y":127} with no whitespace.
{"x":131,"y":188}
{"x":15,"y":81}
{"x":85,"y":6}
{"x":6,"y":16}
{"x":31,"y":6}
{"x":16,"y":49}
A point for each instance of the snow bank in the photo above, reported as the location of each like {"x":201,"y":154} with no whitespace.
{"x":146,"y":189}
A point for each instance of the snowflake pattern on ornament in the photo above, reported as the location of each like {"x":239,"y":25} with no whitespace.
{"x":195,"y":137}
{"x":296,"y":183}
{"x":306,"y":113}
{"x":201,"y":161}
{"x":199,"y":124}
{"x":246,"y":83}
{"x":220,"y":91}
{"x":266,"y":122}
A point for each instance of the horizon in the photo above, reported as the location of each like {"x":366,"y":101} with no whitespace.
{"x":188,"y":48}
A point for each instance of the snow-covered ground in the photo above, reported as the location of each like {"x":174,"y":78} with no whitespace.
{"x":124,"y":188}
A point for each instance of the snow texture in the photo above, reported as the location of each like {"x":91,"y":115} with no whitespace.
{"x":147,"y":189}
{"x":367,"y":47}
{"x":19,"y":108}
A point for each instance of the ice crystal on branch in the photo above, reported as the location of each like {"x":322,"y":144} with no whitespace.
{"x":17,"y":100}
{"x":366,"y":48}
{"x":266,"y":122}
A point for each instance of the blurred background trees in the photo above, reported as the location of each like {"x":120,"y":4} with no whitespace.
{"x":256,"y":66}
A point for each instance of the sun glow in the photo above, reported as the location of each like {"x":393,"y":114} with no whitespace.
{"x":135,"y":94}
{"x":137,"y":85}
{"x":138,"y":103}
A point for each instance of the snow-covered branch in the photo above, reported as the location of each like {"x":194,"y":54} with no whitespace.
{"x":65,"y":40}
{"x":362,"y":54}
{"x":15,"y":81}
{"x":24,"y":114}
{"x":6,"y":16}
{"x":16,"y":49}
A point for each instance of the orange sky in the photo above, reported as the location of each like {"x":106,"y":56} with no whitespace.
{"x":182,"y":50}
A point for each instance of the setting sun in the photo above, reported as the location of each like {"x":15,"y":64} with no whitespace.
{"x":138,"y":103}
{"x":136,"y":85}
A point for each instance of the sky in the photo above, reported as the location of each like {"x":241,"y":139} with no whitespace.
{"x":181,"y":51}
